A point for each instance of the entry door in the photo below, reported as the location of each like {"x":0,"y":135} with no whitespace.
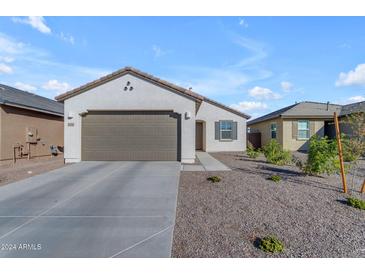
{"x":130,"y":136}
{"x":199,"y":136}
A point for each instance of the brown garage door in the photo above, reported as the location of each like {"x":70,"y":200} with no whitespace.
{"x":130,"y":136}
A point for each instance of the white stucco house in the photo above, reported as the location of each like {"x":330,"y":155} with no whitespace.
{"x":131,"y":115}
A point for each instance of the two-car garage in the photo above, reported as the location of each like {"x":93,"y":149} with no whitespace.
{"x":130,"y":136}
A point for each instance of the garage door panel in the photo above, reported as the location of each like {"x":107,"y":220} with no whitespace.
{"x":136,"y":143}
{"x":118,"y":136}
{"x":130,"y":156}
{"x":131,"y":131}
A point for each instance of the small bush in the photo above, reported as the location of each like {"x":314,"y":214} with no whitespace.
{"x":271,"y":244}
{"x":352,"y":148}
{"x":214,"y":179}
{"x":252,"y":152}
{"x":322,"y":156}
{"x":357,"y":203}
{"x":275,"y":178}
{"x":275,"y":154}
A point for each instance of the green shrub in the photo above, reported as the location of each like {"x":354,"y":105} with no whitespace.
{"x":357,"y":203}
{"x":352,"y":148}
{"x":322,"y":156}
{"x":275,"y":178}
{"x":271,"y":244}
{"x":214,"y":179}
{"x":275,"y":154}
{"x":252,"y":152}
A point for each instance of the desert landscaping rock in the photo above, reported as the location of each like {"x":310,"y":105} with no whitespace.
{"x":308,"y":214}
{"x":24,"y":168}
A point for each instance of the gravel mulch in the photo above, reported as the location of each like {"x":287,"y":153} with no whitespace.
{"x":226,"y":219}
{"x":23,"y":168}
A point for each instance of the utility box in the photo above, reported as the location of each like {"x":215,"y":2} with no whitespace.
{"x":31,"y":135}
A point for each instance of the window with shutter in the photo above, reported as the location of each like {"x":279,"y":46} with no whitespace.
{"x":226,"y":130}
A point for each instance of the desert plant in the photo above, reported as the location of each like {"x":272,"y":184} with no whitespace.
{"x":276,"y":178}
{"x":214,"y":179}
{"x":275,"y":154}
{"x":271,"y":244}
{"x":322,"y":156}
{"x":357,"y":203}
{"x":352,"y":148}
{"x":252,"y":152}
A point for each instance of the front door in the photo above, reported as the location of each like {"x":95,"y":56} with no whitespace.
{"x":199,"y":136}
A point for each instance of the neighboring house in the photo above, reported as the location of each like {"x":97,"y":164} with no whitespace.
{"x":131,"y":115}
{"x":28,"y":121}
{"x":348,"y":110}
{"x":292,"y":126}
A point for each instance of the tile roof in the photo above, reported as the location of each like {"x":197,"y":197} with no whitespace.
{"x":301,"y":109}
{"x":165,"y":84}
{"x":352,"y":108}
{"x":23,"y":99}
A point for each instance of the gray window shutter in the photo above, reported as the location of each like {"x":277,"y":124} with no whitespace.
{"x":312,"y":128}
{"x":234,"y":130}
{"x":294,"y":128}
{"x":216,"y":131}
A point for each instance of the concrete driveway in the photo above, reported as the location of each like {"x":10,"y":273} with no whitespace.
{"x":91,"y":209}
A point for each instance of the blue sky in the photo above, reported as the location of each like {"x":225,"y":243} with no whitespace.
{"x":255,"y":64}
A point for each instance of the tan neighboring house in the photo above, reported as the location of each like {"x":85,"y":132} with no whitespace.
{"x":28,"y":121}
{"x":292,"y":126}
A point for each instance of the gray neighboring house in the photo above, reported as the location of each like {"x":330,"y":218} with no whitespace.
{"x":292,"y":126}
{"x":132,"y":115}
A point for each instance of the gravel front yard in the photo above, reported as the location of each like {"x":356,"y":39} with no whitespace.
{"x":225,"y":219}
{"x":23,"y":168}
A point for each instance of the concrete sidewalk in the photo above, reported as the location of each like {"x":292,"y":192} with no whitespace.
{"x":208,"y":163}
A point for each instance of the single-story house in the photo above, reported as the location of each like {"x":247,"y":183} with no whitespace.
{"x":292,"y":126}
{"x":28,"y":121}
{"x":132,"y":115}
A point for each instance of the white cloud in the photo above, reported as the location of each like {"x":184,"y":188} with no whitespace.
{"x":229,"y":78}
{"x":261,"y":93}
{"x":36,"y":22}
{"x":6,"y":59}
{"x":344,"y":46}
{"x":67,"y":38}
{"x":353,"y":77}
{"x":9,"y":46}
{"x":5,"y":69}
{"x":355,"y":99}
{"x":158,"y":51}
{"x":249,"y":106}
{"x":257,"y":50}
{"x":243,"y":23}
{"x":57,"y":86}
{"x":25,"y":87}
{"x":210,"y":81}
{"x":286,"y":86}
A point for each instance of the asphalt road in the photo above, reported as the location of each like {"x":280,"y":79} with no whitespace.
{"x":91,"y":209}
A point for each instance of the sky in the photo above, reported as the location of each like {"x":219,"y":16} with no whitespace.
{"x":253,"y":64}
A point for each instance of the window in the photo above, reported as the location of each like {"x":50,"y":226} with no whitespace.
{"x":273,"y":131}
{"x":226,"y":130}
{"x":303,"y":130}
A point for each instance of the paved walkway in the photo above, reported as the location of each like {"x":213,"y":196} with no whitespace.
{"x":208,"y":163}
{"x":91,"y":209}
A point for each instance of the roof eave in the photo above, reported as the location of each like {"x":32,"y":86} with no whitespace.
{"x":31,"y":108}
{"x":122,"y":72}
